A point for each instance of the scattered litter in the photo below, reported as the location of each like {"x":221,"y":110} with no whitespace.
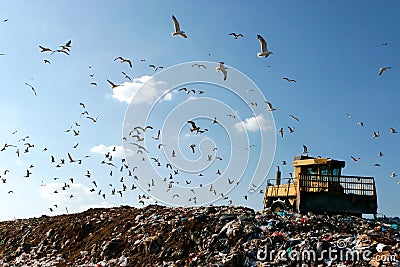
{"x":198,"y":236}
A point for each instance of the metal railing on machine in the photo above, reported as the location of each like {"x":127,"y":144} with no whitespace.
{"x":346,"y":184}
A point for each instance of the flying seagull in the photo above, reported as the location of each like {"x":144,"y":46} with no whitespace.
{"x":194,"y":126}
{"x":126,"y":76}
{"x":155,"y":68}
{"x":270,"y":107}
{"x":113,"y":85}
{"x":281,"y":131}
{"x":222,"y":69}
{"x":44,"y":49}
{"x":177,"y":28}
{"x":122,"y":60}
{"x":33,"y":89}
{"x":199,"y":65}
{"x":140,"y":147}
{"x":92,"y":119}
{"x":71,"y":160}
{"x":236,"y":35}
{"x":289,"y":80}
{"x":264,"y":52}
{"x":137,"y":128}
{"x":187,"y":91}
{"x":294,"y":118}
{"x":158,"y":135}
{"x":305,"y":150}
{"x":381,"y":70}
{"x":68,"y":44}
{"x":192,"y":146}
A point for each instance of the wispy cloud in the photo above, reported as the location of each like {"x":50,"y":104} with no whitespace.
{"x":115,"y":151}
{"x":168,"y":97}
{"x":253,"y":124}
{"x":126,"y":91}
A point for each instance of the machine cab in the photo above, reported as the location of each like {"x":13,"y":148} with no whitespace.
{"x":319,"y":174}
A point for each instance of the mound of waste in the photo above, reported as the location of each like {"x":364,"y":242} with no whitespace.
{"x":198,"y":236}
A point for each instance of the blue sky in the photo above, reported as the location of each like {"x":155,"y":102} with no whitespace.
{"x":332,"y":49}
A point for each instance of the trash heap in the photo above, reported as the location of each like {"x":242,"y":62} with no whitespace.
{"x":198,"y":236}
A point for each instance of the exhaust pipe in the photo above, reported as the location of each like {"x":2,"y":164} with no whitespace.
{"x":278,"y":176}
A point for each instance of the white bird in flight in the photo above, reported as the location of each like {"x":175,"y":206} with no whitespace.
{"x":270,"y":107}
{"x":199,"y":65}
{"x":236,"y":35}
{"x":113,"y":85}
{"x":177,"y":28}
{"x":381,"y":70}
{"x":294,"y":118}
{"x":305,"y":150}
{"x":222,"y":69}
{"x":264,"y":51}
{"x":281,"y":131}
{"x":122,"y":60}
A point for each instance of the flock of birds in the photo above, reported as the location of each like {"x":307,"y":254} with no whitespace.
{"x":264,"y":53}
{"x":375,"y":134}
{"x":126,"y":178}
{"x":136,"y":138}
{"x":22,"y":147}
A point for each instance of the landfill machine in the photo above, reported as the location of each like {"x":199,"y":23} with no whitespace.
{"x":318,"y":186}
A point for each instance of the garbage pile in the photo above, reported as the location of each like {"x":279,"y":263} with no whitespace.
{"x":198,"y":236}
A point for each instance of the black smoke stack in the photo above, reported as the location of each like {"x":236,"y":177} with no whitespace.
{"x":278,"y":176}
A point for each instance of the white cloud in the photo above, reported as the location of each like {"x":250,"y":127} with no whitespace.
{"x":126,"y":91}
{"x":168,"y":97}
{"x":253,"y":124}
{"x":115,"y":151}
